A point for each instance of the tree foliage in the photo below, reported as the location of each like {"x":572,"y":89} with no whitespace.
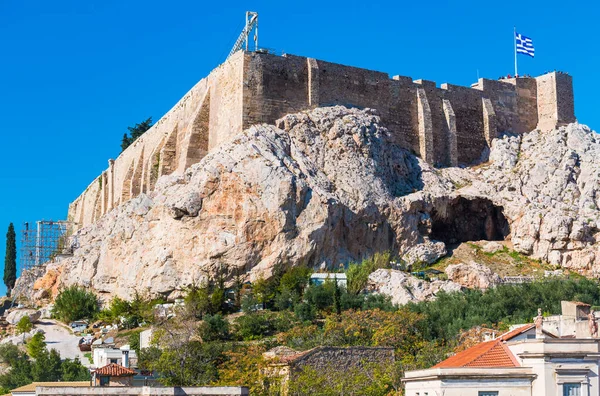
{"x":10,"y":259}
{"x":35,"y":346}
{"x":358,"y":273}
{"x":24,"y":325}
{"x":135,"y":132}
{"x":451,"y":313}
{"x":74,"y":303}
{"x":46,"y":366}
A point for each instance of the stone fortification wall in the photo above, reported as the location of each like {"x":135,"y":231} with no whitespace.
{"x":447,"y":125}
{"x":324,"y":359}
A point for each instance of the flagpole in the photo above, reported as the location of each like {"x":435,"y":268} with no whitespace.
{"x":515,"y":40}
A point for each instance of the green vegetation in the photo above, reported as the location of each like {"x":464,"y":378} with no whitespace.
{"x":358,"y":273}
{"x":10,"y":259}
{"x":130,"y":314}
{"x":24,"y":325}
{"x":135,"y":132}
{"x":451,"y":313}
{"x":75,"y":303}
{"x":46,"y":366}
{"x":36,"y":346}
{"x":202,"y":345}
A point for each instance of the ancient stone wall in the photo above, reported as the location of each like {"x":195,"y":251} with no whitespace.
{"x":449,"y":125}
{"x":343,"y":359}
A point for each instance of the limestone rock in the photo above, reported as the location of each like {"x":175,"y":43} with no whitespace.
{"x":14,"y":316}
{"x":472,"y":275}
{"x":404,"y":288}
{"x":492,"y":247}
{"x":331,"y":186}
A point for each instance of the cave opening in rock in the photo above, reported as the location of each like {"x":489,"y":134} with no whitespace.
{"x":460,"y":220}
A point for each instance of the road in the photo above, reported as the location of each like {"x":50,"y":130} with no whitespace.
{"x":59,"y":337}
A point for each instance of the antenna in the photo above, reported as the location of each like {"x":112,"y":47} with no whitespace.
{"x":251,"y":24}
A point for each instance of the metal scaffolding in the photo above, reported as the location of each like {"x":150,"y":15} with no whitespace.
{"x":43,"y":242}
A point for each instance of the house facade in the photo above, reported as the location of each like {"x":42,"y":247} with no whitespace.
{"x":528,"y":360}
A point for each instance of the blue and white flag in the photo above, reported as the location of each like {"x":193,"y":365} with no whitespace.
{"x":524,"y":45}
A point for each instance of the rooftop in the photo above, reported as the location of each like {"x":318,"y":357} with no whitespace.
{"x":487,"y":354}
{"x":115,"y":370}
{"x":31,"y":387}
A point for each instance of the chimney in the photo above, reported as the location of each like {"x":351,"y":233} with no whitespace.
{"x":125,"y":352}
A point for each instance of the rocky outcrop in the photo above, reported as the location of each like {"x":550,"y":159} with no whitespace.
{"x":403,"y":288}
{"x":14,"y":316}
{"x":330,"y":186}
{"x":472,"y":275}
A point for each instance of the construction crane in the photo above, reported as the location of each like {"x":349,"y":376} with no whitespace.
{"x":251,"y":24}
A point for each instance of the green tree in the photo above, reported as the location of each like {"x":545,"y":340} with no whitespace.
{"x":10,"y":259}
{"x":74,"y":303}
{"x":24,"y":325}
{"x":73,"y":370}
{"x":192,"y":364}
{"x":135,"y":132}
{"x":214,"y":328}
{"x":36,"y":345}
{"x":47,"y":366}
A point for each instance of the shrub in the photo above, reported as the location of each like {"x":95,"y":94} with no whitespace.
{"x":254,"y":326}
{"x":74,"y":303}
{"x":24,"y":325}
{"x":214,"y":328}
{"x":358,"y":273}
{"x":36,"y":345}
{"x":305,"y":312}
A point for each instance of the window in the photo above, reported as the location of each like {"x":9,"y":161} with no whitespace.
{"x":488,"y":393}
{"x":104,"y":381}
{"x":571,"y":389}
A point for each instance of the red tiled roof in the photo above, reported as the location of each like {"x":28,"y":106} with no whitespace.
{"x":516,"y":332}
{"x":487,"y":354}
{"x":115,"y":370}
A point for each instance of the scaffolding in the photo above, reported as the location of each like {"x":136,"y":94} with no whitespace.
{"x":44,"y":241}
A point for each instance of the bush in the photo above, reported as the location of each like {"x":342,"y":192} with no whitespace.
{"x":36,"y":345}
{"x":254,"y":326}
{"x":75,"y":303}
{"x":214,"y":328}
{"x":305,"y":312}
{"x":24,"y":325}
{"x":452,"y":312}
{"x":358,"y":273}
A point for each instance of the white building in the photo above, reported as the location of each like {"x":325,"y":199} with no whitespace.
{"x":321,"y":277}
{"x":526,"y":361}
{"x":123,"y":356}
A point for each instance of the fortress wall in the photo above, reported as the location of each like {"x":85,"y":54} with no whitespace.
{"x":565,"y":98}
{"x":273,"y":87}
{"x":467,"y":105}
{"x":446,"y":126}
{"x":527,"y":112}
{"x":226,"y":100}
{"x":503,"y":95}
{"x":351,"y":86}
{"x":438,"y":121}
{"x":555,"y":100}
{"x":403,"y":113}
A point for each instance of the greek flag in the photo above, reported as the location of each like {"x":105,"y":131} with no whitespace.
{"x":524,"y":45}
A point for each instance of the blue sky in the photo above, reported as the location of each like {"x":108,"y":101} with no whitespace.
{"x":75,"y":74}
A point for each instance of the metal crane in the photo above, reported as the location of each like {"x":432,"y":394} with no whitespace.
{"x":251,"y":24}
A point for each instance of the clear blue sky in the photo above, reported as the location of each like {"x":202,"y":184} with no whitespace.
{"x":75,"y":74}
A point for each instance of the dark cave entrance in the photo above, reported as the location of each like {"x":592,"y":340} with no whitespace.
{"x":460,"y":220}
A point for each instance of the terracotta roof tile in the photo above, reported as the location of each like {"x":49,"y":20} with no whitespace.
{"x":519,"y":330}
{"x":487,"y":354}
{"x":115,"y":370}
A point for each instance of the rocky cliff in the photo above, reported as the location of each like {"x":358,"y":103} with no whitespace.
{"x":328,"y":187}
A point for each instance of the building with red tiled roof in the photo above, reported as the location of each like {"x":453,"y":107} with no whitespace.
{"x":113,"y":375}
{"x":524,"y":361}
